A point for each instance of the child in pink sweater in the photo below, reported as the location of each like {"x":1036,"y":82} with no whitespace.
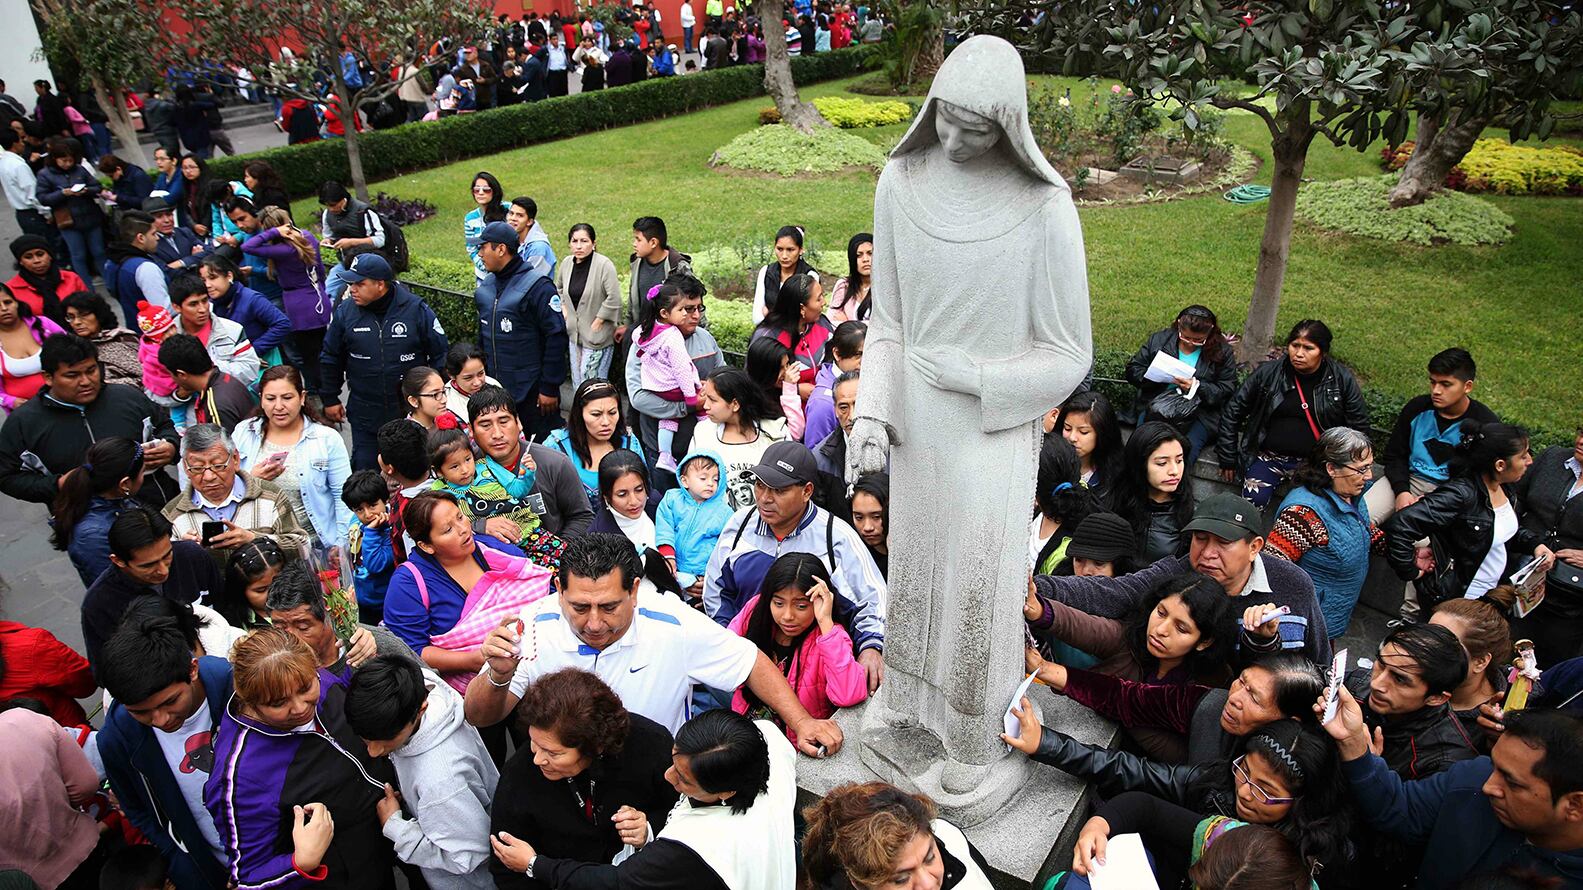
{"x":156,"y":324}
{"x":668,"y":370}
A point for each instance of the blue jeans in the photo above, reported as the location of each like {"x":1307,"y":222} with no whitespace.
{"x":86,"y":245}
{"x":335,"y":283}
{"x":687,"y":40}
{"x":1197,"y":438}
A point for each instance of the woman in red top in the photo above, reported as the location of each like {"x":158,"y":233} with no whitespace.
{"x":21,"y":337}
{"x":39,"y":282}
{"x":33,"y":664}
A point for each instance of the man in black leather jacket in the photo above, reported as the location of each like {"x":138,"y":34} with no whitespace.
{"x":1406,"y":700}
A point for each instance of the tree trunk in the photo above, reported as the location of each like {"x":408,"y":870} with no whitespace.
{"x":1290,"y":150}
{"x":1439,"y":147}
{"x":354,"y":139}
{"x":113,"y":102}
{"x":931,"y":55}
{"x":778,"y":76}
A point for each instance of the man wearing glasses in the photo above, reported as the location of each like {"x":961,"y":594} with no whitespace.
{"x":222,"y":507}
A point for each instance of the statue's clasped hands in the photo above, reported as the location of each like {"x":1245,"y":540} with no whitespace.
{"x":949,"y":368}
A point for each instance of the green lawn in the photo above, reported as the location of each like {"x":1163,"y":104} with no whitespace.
{"x":1390,"y":306}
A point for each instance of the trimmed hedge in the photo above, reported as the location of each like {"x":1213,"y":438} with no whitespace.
{"x":433,"y":143}
{"x":730,"y":321}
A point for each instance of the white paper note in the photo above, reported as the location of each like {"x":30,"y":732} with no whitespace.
{"x":1338,"y":670}
{"x":1126,"y":866}
{"x":1166,"y":368}
{"x":1013,"y":725}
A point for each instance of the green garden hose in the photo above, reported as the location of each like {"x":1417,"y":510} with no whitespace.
{"x":1247,"y":194}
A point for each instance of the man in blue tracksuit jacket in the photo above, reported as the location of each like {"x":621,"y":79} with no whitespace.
{"x":521,"y":331}
{"x":140,"y":772}
{"x":373,"y":339}
{"x":1521,"y":808}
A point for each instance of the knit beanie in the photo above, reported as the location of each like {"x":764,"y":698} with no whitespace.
{"x":153,"y":320}
{"x":1102,"y":537}
{"x":28,"y":242}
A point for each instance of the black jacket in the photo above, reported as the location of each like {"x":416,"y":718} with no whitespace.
{"x":1419,"y":744}
{"x":1547,"y":517}
{"x":1399,"y":448}
{"x":194,"y":576}
{"x":1203,"y":787}
{"x":1336,"y":401}
{"x":371,"y":347}
{"x":1216,"y":380}
{"x":547,"y":814}
{"x":1460,"y":524}
{"x":43,"y":438}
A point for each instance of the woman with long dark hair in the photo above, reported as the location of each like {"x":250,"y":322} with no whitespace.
{"x":1088,"y":421}
{"x":1153,"y":492}
{"x":870,"y":511}
{"x":424,"y":390}
{"x":849,"y":299}
{"x":843,"y":354}
{"x":1059,"y":504}
{"x":1553,"y":516}
{"x":1191,"y":404}
{"x":1286,"y":775}
{"x":1272,"y":422}
{"x":193,"y":211}
{"x":21,"y":344}
{"x":595,"y":426}
{"x":792,"y":621}
{"x":490,"y":199}
{"x":40,"y":282}
{"x":248,"y":574}
{"x":90,"y":498}
{"x":788,"y":262}
{"x":796,"y":320}
{"x":740,"y":427}
{"x":268,"y":188}
{"x":591,"y":296}
{"x":70,"y":191}
{"x":1469,"y":520}
{"x":626,"y":507}
{"x":771,"y":366}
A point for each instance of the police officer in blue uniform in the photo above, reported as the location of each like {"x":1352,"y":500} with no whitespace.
{"x":522,"y":331}
{"x":373,"y":339}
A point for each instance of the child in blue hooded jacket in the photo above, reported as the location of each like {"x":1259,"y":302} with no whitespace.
{"x":690,"y":518}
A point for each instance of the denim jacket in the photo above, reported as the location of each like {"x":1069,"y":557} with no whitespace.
{"x":324,"y":467}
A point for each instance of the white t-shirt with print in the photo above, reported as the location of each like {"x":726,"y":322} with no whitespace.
{"x":190,"y":753}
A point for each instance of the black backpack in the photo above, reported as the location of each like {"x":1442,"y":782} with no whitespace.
{"x":395,"y":250}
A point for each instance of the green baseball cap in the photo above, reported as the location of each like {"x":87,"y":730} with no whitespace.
{"x":1227,"y":517}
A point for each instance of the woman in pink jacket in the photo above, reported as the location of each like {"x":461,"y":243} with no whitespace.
{"x":792,"y":620}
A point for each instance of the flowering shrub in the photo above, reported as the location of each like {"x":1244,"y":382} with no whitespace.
{"x":784,"y":151}
{"x":1493,"y":165}
{"x":850,"y":114}
{"x":403,"y":211}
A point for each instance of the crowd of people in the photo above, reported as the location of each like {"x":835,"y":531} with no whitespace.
{"x":495,"y":641}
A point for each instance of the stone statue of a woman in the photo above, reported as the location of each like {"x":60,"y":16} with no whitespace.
{"x":980,"y":325}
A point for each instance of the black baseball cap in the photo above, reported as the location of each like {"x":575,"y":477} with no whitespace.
{"x":785,"y":463}
{"x":1227,"y":517}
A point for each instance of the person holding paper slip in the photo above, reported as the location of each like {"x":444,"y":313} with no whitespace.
{"x":1180,"y":840}
{"x":1189,"y":401}
{"x":1553,"y":514}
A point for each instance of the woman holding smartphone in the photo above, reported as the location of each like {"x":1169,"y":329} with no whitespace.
{"x":285,"y":443}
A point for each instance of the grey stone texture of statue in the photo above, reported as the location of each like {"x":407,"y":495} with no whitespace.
{"x":980,"y":325}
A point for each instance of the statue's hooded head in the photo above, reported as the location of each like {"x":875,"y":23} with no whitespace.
{"x":979,"y":100}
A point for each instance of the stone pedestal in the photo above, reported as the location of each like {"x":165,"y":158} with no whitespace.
{"x":1024,"y":839}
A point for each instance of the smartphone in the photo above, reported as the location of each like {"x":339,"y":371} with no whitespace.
{"x":210,"y":531}
{"x":278,"y":457}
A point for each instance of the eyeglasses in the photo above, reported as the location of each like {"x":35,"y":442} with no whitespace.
{"x":691,"y":310}
{"x":1189,"y":340}
{"x":435,"y":394}
{"x":1365,"y":471}
{"x":1239,"y":769}
{"x":216,"y":469}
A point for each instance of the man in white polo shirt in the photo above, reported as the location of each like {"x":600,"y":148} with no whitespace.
{"x":650,"y":648}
